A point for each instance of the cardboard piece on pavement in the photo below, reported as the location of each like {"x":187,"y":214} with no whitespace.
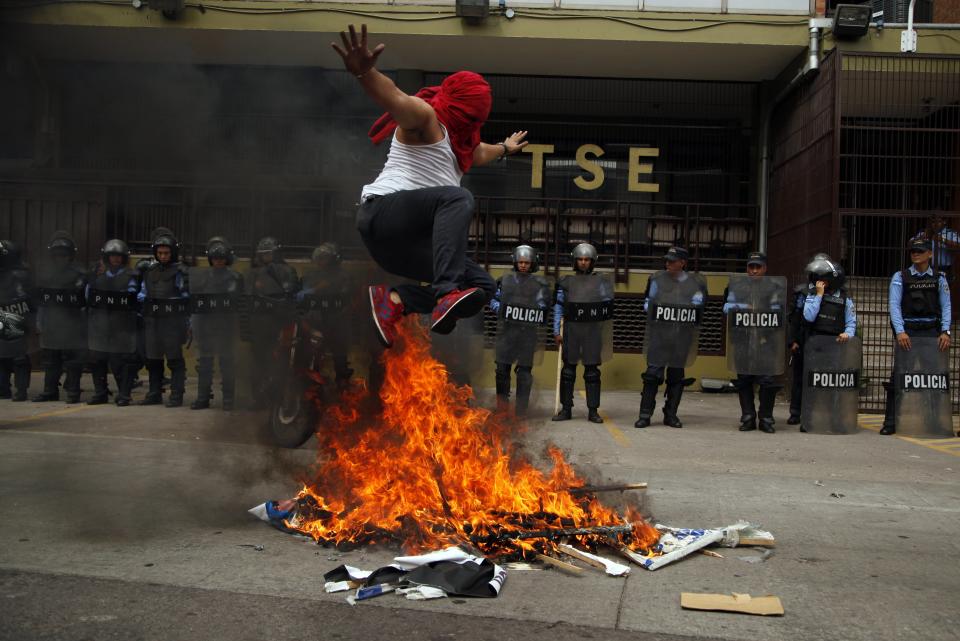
{"x":744,"y":603}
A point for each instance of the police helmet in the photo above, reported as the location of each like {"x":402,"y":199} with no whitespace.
{"x":329,"y":251}
{"x":527,"y":253}
{"x":220,"y":247}
{"x":826,"y":270}
{"x":115,"y":247}
{"x":163,"y":237}
{"x":61,"y":243}
{"x":584,"y":250}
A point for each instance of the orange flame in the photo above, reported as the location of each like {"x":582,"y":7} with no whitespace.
{"x":434,"y":470}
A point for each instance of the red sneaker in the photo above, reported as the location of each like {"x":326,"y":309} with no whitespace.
{"x":386,"y":313}
{"x":456,"y":305}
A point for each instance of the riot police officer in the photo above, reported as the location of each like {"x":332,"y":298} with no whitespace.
{"x":214,"y":298}
{"x":163,"y":300}
{"x":828,"y":310}
{"x":796,"y":339}
{"x":584,"y":302}
{"x":919,"y":305}
{"x":15,"y":291}
{"x":674,"y":305}
{"x":270,"y":286}
{"x":754,"y":308}
{"x":61,"y":319}
{"x":325,"y":297}
{"x":112,"y":323}
{"x":520,"y":303}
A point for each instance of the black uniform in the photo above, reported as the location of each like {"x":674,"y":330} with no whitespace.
{"x":521,"y":305}
{"x":325,"y":297}
{"x":585,"y":339}
{"x":15,"y":288}
{"x":797,"y":333}
{"x":671,"y":344}
{"x":270,"y":290}
{"x":62,"y":324}
{"x":215,"y":298}
{"x":163,"y":297}
{"x":112,"y":331}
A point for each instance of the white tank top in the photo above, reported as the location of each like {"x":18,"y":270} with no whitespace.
{"x":415,"y":167}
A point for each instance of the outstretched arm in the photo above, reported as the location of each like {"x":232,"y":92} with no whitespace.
{"x":484,"y":154}
{"x":410,"y":112}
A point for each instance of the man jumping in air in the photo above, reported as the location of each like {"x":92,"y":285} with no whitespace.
{"x":415,"y":217}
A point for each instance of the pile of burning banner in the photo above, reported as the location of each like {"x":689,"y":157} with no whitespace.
{"x":435,"y":474}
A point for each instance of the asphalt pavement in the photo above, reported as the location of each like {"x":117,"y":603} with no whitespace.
{"x":132,"y":523}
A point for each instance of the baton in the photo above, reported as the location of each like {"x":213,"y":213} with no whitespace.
{"x":556,"y":398}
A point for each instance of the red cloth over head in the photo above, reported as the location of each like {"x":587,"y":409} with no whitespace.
{"x":462,"y":103}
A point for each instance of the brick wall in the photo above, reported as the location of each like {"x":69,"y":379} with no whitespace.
{"x":946,"y":11}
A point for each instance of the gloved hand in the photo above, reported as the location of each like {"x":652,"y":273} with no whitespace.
{"x":303,"y":293}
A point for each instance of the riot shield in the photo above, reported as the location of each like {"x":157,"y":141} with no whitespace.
{"x":674,"y":312}
{"x":523,"y":311}
{"x":588,"y":318}
{"x":61,"y":319}
{"x":112,"y":313}
{"x":14,"y":300}
{"x":214,"y":303}
{"x":921,"y":378}
{"x":756,"y":324}
{"x":831,"y":385}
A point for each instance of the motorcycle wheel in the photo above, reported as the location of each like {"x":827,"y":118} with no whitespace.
{"x":293,"y":419}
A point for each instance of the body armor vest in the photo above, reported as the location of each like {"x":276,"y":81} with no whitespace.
{"x":921,"y":299}
{"x":832,"y":316}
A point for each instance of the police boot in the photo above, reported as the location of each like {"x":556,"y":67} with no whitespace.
{"x":591,"y":381}
{"x":125,"y":384}
{"x":178,"y":380}
{"x":51,"y":378}
{"x":204,"y":384}
{"x":98,"y":372}
{"x":748,"y":415}
{"x":648,"y":400}
{"x":228,"y":386}
{"x":671,"y":404}
{"x":768,"y":396}
{"x":889,"y":412}
{"x":502,"y":380}
{"x":21,"y":378}
{"x":4,"y":379}
{"x":72,"y":384}
{"x":524,"y":386}
{"x":567,"y":379}
{"x":154,"y":394}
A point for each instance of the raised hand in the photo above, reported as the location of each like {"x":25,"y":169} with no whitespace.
{"x":515,"y":142}
{"x":357,"y":58}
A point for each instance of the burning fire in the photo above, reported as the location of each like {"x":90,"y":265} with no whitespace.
{"x":433,"y":470}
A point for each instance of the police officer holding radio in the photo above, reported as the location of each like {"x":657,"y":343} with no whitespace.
{"x":919,"y":304}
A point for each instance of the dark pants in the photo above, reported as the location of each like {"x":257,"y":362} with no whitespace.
{"x":591,"y":384}
{"x":228,"y":375}
{"x":422,"y":234}
{"x":768,"y":395}
{"x":178,"y":376}
{"x":796,"y":383}
{"x":19,"y":366}
{"x":55,"y":361}
{"x":124,"y":368}
{"x":652,"y":379}
{"x":890,"y":406}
